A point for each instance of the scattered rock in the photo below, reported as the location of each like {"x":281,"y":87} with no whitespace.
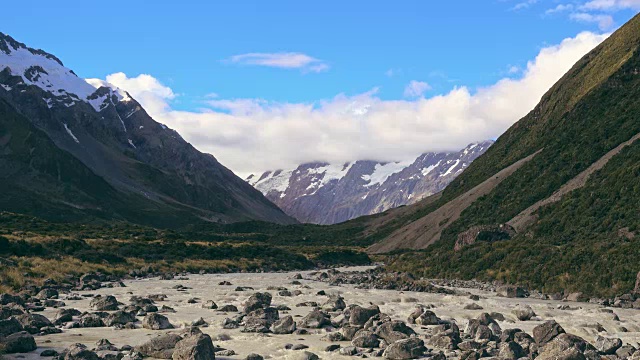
{"x":511,"y":291}
{"x":286,"y":325}
{"x":160,"y":347}
{"x":607,"y":346}
{"x":524,"y":313}
{"x":194,"y":347}
{"x":21,"y":342}
{"x":156,"y":321}
{"x":104,"y":303}
{"x":547,"y":331}
{"x":411,"y":348}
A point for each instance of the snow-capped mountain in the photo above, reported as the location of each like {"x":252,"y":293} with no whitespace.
{"x":331,"y":193}
{"x":72,"y":148}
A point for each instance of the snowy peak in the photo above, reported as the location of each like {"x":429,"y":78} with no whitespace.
{"x":32,"y":67}
{"x":330,"y":193}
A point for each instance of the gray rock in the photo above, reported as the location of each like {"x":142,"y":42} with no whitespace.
{"x":254,"y":357}
{"x":411,"y":348}
{"x":607,"y":346}
{"x":359,"y":315}
{"x":104,"y":303}
{"x":510,"y":291}
{"x":21,"y":342}
{"x":10,"y":326}
{"x":80,"y":352}
{"x":286,"y":325}
{"x":510,"y":351}
{"x":160,"y":347}
{"x":546,"y":332}
{"x":365,"y":339}
{"x":48,"y":293}
{"x":91,"y":320}
{"x":315,"y":320}
{"x":156,"y":321}
{"x":566,"y":347}
{"x":524,"y":313}
{"x":119,"y":318}
{"x":393,"y":331}
{"x":257,"y":301}
{"x":194,"y":347}
{"x":348,"y":351}
{"x":33,"y":322}
{"x":209,"y":304}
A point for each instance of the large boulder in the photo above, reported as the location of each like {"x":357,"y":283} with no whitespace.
{"x":566,"y":347}
{"x":359,"y":315}
{"x":257,"y":301}
{"x":524,"y":313}
{"x":10,"y":326}
{"x":80,"y":352}
{"x":21,"y":342}
{"x":155,"y":321}
{"x":510,"y":351}
{"x":194,"y":347}
{"x":286,"y":325}
{"x":607,"y":346}
{"x":411,"y":348}
{"x":546,"y":332}
{"x":119,"y":318}
{"x":160,"y":347}
{"x":269,"y":315}
{"x":104,"y":303}
{"x":511,"y":291}
{"x":33,"y":322}
{"x":315,"y":320}
{"x":48,"y":293}
{"x":91,"y":320}
{"x":365,"y":339}
{"x":393,"y":331}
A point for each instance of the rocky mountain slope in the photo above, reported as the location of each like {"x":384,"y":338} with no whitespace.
{"x":72,"y":149}
{"x":554,"y":202}
{"x":322,"y":193}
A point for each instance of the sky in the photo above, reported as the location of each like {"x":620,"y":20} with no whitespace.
{"x":266,"y":85}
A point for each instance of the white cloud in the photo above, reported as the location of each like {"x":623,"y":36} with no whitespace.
{"x":559,"y":8}
{"x":253,"y":135}
{"x":605,"y":22}
{"x":416,"y":89}
{"x":289,"y":60}
{"x":524,"y":5}
{"x":611,"y":5}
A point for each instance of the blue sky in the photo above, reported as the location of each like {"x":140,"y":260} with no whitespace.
{"x":376,"y":48}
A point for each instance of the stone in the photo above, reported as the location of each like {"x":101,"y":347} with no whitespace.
{"x":511,"y":291}
{"x":48,"y":293}
{"x":473,"y":306}
{"x":228,"y":308}
{"x":254,"y":357}
{"x":524,"y":313}
{"x":104,"y":303}
{"x":607,"y":346}
{"x":194,"y":347}
{"x":565,"y":347}
{"x":160,"y":347}
{"x":33,"y":322}
{"x":119,"y":318}
{"x":257,"y":301}
{"x":510,"y":351}
{"x":21,"y":342}
{"x":393,"y":331}
{"x":315,"y":320}
{"x":209,"y":304}
{"x":91,"y":320}
{"x":411,"y":348}
{"x":286,"y":325}
{"x":428,"y":317}
{"x":269,"y":315}
{"x":10,"y":326}
{"x":80,"y":352}
{"x":348,"y":351}
{"x":547,"y":331}
{"x":365,"y":339}
{"x":359,"y":315}
{"x":49,"y":353}
{"x":156,"y":321}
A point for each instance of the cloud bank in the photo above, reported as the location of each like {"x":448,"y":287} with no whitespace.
{"x":288,"y":60}
{"x":253,"y":135}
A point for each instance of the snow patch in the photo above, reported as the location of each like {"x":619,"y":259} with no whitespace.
{"x":279,"y":182}
{"x":430,"y":168}
{"x":382,"y":172}
{"x":70,"y":133}
{"x":6,"y":87}
{"x":131,"y":143}
{"x":451,"y":168}
{"x":331,"y":172}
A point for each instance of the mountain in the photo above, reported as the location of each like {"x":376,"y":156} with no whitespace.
{"x":76,"y":150}
{"x":323,"y":193}
{"x":554,"y":203}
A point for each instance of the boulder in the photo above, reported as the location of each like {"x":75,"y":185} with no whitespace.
{"x":286,"y":325}
{"x":547,"y":331}
{"x":194,"y":347}
{"x":21,"y":342}
{"x":104,"y":303}
{"x":160,"y":347}
{"x":511,"y":291}
{"x":359,"y":315}
{"x":10,"y":326}
{"x":524,"y":313}
{"x":393,"y":331}
{"x":119,"y":318}
{"x":607,"y":346}
{"x":228,"y":308}
{"x":315,"y":320}
{"x":411,"y":348}
{"x":269,"y":315}
{"x":510,"y":351}
{"x":254,"y":357}
{"x":155,"y":321}
{"x":80,"y":352}
{"x":91,"y":320}
{"x":33,"y":322}
{"x":209,"y":304}
{"x":566,"y":347}
{"x":48,"y":293}
{"x":365,"y":339}
{"x":257,"y":301}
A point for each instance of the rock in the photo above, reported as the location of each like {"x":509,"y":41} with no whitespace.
{"x":80,"y":352}
{"x":308,"y":356}
{"x":226,"y":353}
{"x":286,"y":325}
{"x":209,"y":304}
{"x":332,"y":348}
{"x":365,"y":339}
{"x":257,"y":301}
{"x":33,"y":322}
{"x":510,"y":291}
{"x":547,"y":331}
{"x":21,"y":342}
{"x":160,"y":347}
{"x":194,"y":347}
{"x":104,"y":303}
{"x":565,"y":347}
{"x":91,"y":320}
{"x":199,"y":322}
{"x":49,"y":353}
{"x":577,"y":297}
{"x":428,"y":317}
{"x":254,"y":357}
{"x":411,"y":348}
{"x":473,"y":306}
{"x":315,"y":320}
{"x":48,"y":293}
{"x":269,"y":315}
{"x":625,"y":351}
{"x":119,"y":318}
{"x":228,"y":308}
{"x":510,"y":351}
{"x":607,"y":346}
{"x":359,"y":315}
{"x":299,"y":347}
{"x":10,"y":326}
{"x":335,"y":304}
{"x":393,"y":331}
{"x":349,"y":331}
{"x":229,"y":324}
{"x":524,"y":313}
{"x":156,"y":321}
